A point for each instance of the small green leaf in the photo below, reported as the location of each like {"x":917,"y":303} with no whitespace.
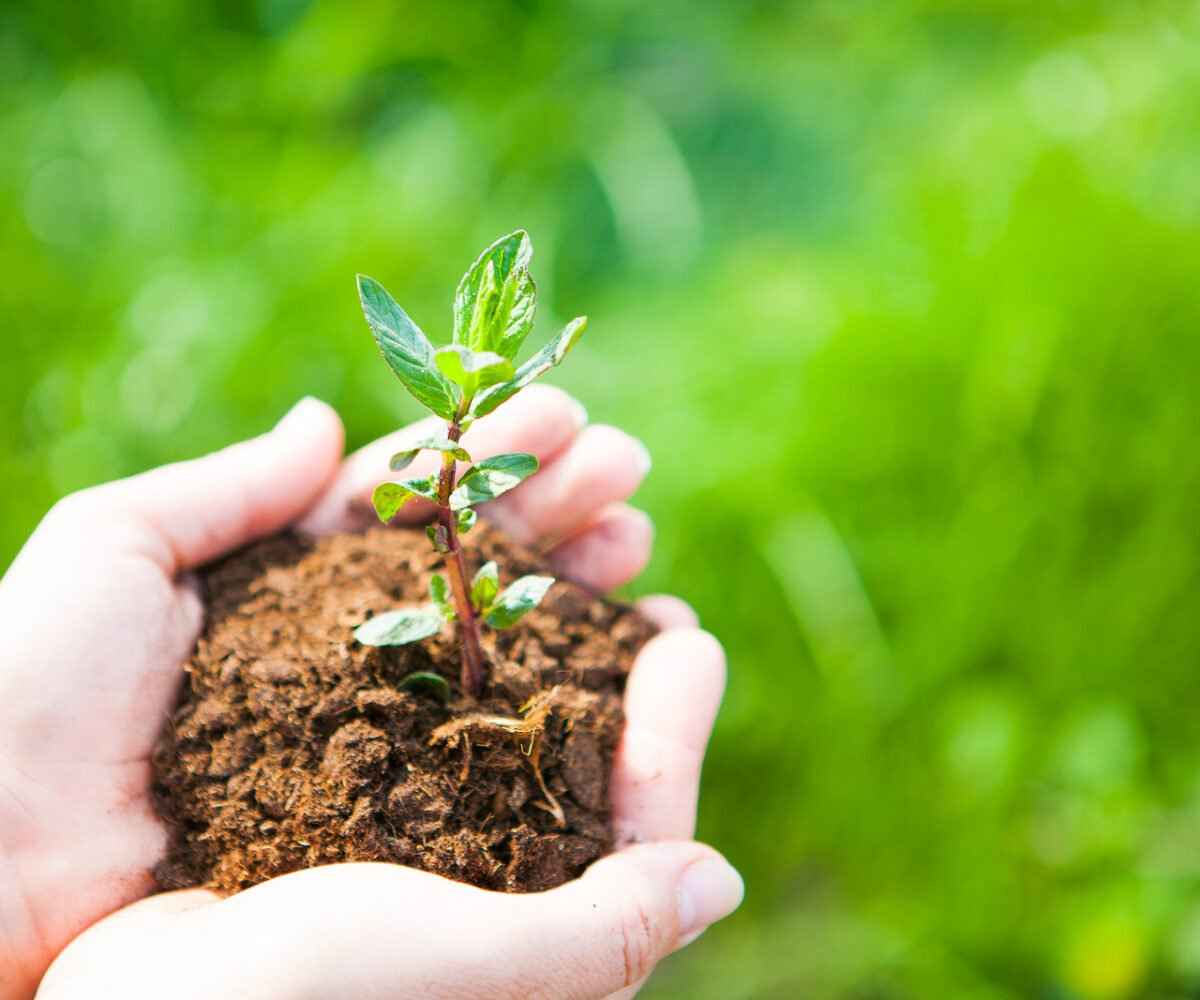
{"x":466,"y":519}
{"x":388,"y":498}
{"x":473,"y":370}
{"x":517,"y":600}
{"x":434,"y":683}
{"x":492,"y":477}
{"x":484,"y":586}
{"x":399,"y":628}
{"x":545,"y":359}
{"x":439,"y":592}
{"x":508,"y":254}
{"x":403,"y":459}
{"x":406,"y":349}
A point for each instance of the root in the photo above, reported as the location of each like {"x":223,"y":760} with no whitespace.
{"x":528,"y":731}
{"x":530,"y":726}
{"x":551,"y":804}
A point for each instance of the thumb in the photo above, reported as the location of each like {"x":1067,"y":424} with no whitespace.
{"x":386,"y":931}
{"x":608,"y":930}
{"x":201,"y":509}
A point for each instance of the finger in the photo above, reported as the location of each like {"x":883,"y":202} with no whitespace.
{"x":603,"y":465}
{"x":608,"y":930}
{"x":541,"y":420}
{"x":610,"y":550}
{"x":135,"y":936}
{"x":165,"y":903}
{"x":671,"y":700}
{"x":386,"y":931}
{"x":668,"y":611}
{"x":192,"y":512}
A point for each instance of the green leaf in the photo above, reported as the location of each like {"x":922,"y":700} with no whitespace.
{"x":492,"y":477}
{"x":466,"y":519}
{"x":509,"y":255}
{"x":439,"y":589}
{"x":406,"y":349}
{"x":399,"y":628}
{"x":484,"y":586}
{"x":518,"y":302}
{"x":434,"y":683}
{"x":545,"y":359}
{"x":517,"y":600}
{"x":403,"y":459}
{"x":388,"y":498}
{"x":473,"y":370}
{"x":483,"y":313}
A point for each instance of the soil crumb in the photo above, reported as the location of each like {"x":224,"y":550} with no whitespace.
{"x":293,"y":746}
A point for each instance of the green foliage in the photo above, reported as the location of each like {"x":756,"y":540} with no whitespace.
{"x":400,"y":627}
{"x":389,"y":498}
{"x":472,"y":370}
{"x":493,"y":310}
{"x":493,"y":313}
{"x":496,"y":299}
{"x":485,"y":586}
{"x":403,"y":459}
{"x":491,"y":478}
{"x":439,"y":593}
{"x":406,"y":349}
{"x":545,"y":359}
{"x":435,"y":684}
{"x":516,"y":600}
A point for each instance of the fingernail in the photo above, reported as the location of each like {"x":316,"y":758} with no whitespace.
{"x":579,"y":413}
{"x":644,"y":459}
{"x":709,"y":890}
{"x":299,"y":413}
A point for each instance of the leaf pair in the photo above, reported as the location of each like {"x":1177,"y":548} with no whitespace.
{"x":484,"y":481}
{"x":494,"y":308}
{"x":504,"y":608}
{"x":499,"y":608}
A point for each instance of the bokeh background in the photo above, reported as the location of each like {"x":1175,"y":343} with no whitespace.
{"x":903,"y":296}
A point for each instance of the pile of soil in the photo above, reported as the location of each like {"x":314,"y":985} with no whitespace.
{"x":293,"y":746}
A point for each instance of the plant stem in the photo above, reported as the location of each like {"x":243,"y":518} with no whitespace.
{"x":456,"y":568}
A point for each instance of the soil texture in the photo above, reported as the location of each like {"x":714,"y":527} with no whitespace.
{"x":293,"y":746}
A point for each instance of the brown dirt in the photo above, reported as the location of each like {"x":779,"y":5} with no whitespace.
{"x":293,"y":746}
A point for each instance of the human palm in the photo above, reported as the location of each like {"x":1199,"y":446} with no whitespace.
{"x":97,"y":614}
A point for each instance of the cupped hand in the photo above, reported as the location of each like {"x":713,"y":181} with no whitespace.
{"x":98,"y":613}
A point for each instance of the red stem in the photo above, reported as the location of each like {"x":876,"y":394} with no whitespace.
{"x":473,"y":673}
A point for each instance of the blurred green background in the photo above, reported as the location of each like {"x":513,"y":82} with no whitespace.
{"x":903,"y":297}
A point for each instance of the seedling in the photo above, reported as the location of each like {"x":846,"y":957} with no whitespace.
{"x":462,"y":382}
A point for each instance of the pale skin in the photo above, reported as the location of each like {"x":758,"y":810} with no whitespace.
{"x":98,"y":614}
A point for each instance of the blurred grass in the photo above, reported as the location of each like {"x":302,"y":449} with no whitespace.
{"x":903,"y":298}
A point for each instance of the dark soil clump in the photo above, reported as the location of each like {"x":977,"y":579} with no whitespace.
{"x":293,"y":746}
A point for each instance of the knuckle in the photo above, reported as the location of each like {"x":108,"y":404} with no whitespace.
{"x":640,"y":943}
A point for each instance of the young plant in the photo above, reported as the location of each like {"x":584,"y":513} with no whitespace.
{"x":462,"y":382}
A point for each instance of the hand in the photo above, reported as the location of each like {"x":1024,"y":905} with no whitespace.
{"x":96,"y":616}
